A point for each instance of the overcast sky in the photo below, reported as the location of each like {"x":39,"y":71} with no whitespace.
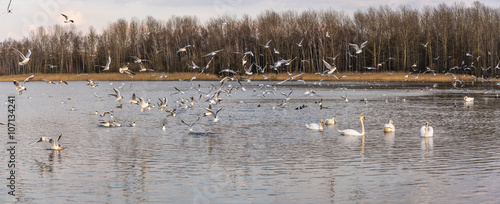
{"x":28,"y":14}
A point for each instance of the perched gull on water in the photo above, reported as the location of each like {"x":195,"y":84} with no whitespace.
{"x":54,"y":144}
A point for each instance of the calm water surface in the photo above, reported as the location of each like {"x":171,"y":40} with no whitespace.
{"x":257,"y":154}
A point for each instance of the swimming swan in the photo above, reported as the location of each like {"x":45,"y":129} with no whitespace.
{"x":426,"y":130}
{"x":316,"y":126}
{"x":331,"y":121}
{"x":351,"y":132}
{"x":468,"y":99}
{"x":389,"y":127}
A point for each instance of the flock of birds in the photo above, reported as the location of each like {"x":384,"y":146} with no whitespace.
{"x":425,"y":131}
{"x":212,"y":96}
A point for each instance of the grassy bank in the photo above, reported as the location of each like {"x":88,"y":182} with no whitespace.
{"x":386,"y":76}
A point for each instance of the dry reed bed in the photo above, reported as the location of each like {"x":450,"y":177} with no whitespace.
{"x":384,"y":76}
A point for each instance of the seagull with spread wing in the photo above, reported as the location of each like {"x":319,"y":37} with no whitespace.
{"x":67,"y":20}
{"x":359,"y":48}
{"x":26,"y":58}
{"x":20,"y":87}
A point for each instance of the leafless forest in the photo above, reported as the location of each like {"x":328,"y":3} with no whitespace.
{"x":454,"y":38}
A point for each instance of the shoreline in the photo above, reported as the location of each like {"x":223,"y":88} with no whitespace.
{"x":186,"y":76}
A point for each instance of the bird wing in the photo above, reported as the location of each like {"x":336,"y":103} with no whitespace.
{"x":17,"y":84}
{"x":20,"y":54}
{"x":65,"y":16}
{"x":8,"y":7}
{"x":28,"y":79}
{"x":328,"y":66}
{"x":363,"y":44}
{"x":355,"y":46}
{"x":109,"y":62}
{"x":117,"y":92}
{"x":28,"y":53}
{"x":129,"y":72}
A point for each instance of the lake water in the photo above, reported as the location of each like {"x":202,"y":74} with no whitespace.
{"x":256,"y":153}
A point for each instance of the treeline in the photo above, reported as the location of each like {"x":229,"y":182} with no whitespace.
{"x":463,"y":37}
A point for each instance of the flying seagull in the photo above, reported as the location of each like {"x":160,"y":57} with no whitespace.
{"x":106,"y":67}
{"x":267,"y":44}
{"x":138,"y":60}
{"x":359,"y":48}
{"x":212,"y":53}
{"x":183,"y":49}
{"x":20,"y":87}
{"x":117,"y":95}
{"x":191,"y":124}
{"x":26,"y":58}
{"x":66,"y":17}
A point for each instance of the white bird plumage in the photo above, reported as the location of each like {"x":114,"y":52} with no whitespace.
{"x":359,"y":48}
{"x":351,"y":132}
{"x":106,"y":67}
{"x":66,"y":19}
{"x":426,"y":130}
{"x":316,"y":126}
{"x":143,"y":104}
{"x":25,"y":58}
{"x":389,"y":127}
{"x":54,"y":144}
{"x":331,"y":121}
{"x":468,"y":99}
{"x":117,"y":95}
{"x":20,"y":87}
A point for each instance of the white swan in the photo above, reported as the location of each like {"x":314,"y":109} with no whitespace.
{"x":468,"y":99}
{"x":316,"y":126}
{"x":351,"y":132}
{"x":331,"y":121}
{"x":426,"y":130}
{"x":389,"y":127}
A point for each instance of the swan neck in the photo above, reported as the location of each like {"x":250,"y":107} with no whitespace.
{"x":362,"y":127}
{"x":426,"y":130}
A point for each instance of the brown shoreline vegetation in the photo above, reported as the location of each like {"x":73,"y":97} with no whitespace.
{"x":186,"y":76}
